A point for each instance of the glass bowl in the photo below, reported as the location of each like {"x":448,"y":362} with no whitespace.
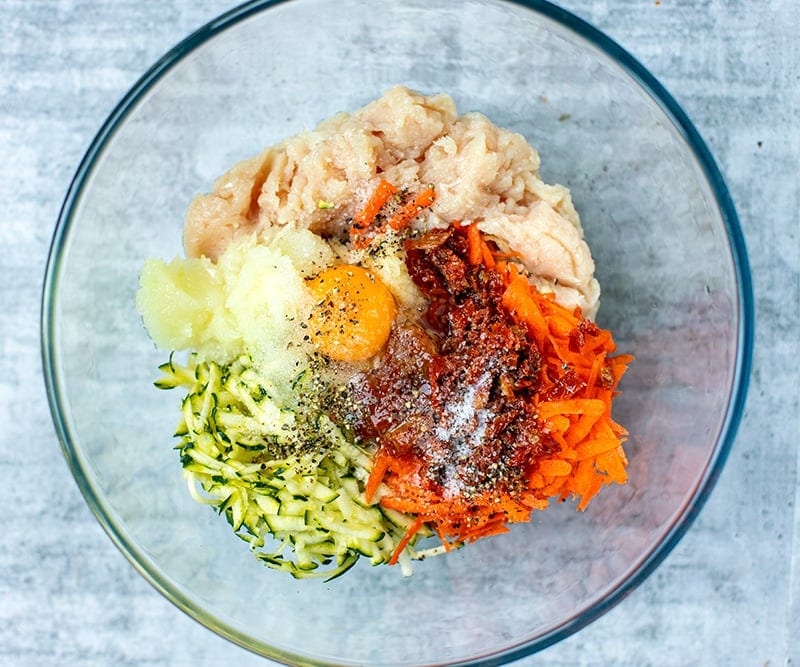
{"x":670,"y":257}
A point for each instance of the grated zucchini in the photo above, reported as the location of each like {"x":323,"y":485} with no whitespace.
{"x":290,"y":484}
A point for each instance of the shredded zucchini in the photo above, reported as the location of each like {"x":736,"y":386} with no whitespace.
{"x":289,"y":482}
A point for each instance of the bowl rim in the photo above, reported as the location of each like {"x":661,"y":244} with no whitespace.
{"x":647,"y":564}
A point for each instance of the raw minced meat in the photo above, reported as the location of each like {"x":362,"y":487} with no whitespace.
{"x":481,"y":173}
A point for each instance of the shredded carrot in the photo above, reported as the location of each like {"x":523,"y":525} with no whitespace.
{"x":578,"y":381}
{"x":474,"y":245}
{"x":595,"y":484}
{"x":594,"y":373}
{"x":360,"y":232}
{"x":574,"y":406}
{"x":518,"y":301}
{"x":613,"y":465}
{"x":559,"y":423}
{"x":592,"y":448}
{"x":536,"y":480}
{"x":590,"y":441}
{"x":412,"y":209}
{"x":412,"y":530}
{"x":375,"y":203}
{"x":581,"y":428}
{"x":478,"y":251}
{"x":554,"y":467}
{"x":494,"y":527}
{"x":560,"y":326}
{"x":375,"y":478}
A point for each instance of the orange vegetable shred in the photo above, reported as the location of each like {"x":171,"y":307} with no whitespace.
{"x":588,"y":443}
{"x":361,"y":233}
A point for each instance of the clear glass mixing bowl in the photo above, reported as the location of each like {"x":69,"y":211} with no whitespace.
{"x":670,"y":258}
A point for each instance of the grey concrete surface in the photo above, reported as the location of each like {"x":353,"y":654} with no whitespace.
{"x":729,"y":594}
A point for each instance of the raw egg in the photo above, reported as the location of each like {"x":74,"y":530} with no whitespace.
{"x":353,"y":313}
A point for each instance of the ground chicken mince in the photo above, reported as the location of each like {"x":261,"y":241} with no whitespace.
{"x":481,"y":173}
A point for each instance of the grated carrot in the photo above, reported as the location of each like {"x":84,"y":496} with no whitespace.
{"x":412,"y":530}
{"x":587,"y":450}
{"x":377,"y":200}
{"x":554,"y":467}
{"x":573,"y":406}
{"x":379,"y":467}
{"x":361,"y":235}
{"x":412,"y":209}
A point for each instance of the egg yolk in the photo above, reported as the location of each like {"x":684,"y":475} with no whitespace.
{"x":352,"y":314}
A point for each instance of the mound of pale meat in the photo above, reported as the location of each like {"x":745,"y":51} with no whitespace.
{"x":481,"y":173}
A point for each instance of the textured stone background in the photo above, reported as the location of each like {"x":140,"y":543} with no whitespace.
{"x":729,"y":594}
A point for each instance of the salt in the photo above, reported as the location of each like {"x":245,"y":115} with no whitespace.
{"x":462,"y":429}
